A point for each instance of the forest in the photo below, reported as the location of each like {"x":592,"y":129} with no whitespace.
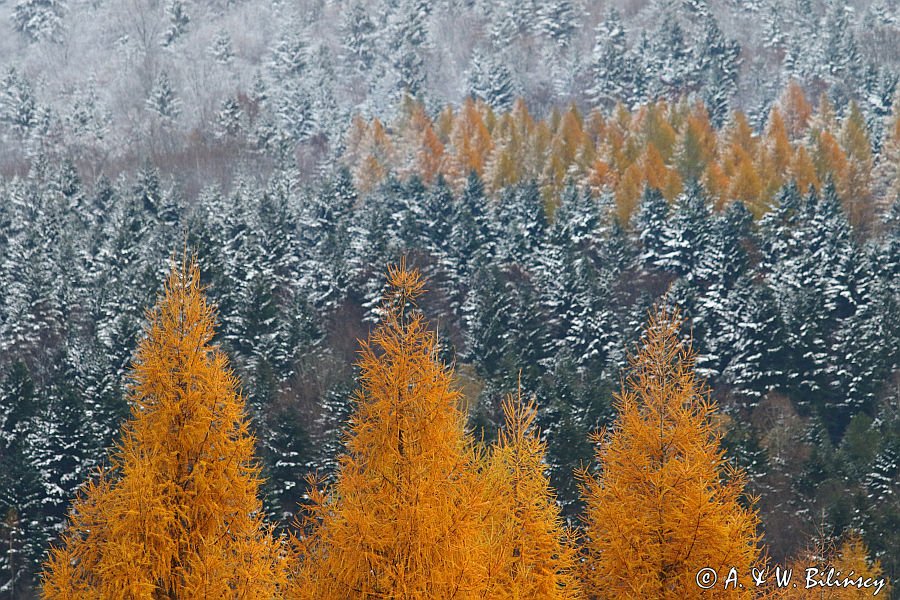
{"x":367,"y":253}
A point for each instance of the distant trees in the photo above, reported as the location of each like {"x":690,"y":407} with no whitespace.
{"x":794,"y":317}
{"x":663,"y":146}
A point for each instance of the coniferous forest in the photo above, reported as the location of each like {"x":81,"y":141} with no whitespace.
{"x":452,"y":299}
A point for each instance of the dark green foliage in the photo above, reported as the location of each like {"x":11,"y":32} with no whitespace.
{"x":796,"y":321}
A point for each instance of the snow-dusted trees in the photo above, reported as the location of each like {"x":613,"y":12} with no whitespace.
{"x":39,"y":20}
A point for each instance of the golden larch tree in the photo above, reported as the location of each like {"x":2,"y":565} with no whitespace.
{"x":658,"y":175}
{"x":628,"y":193}
{"x":850,"y":560}
{"x":830,"y":162}
{"x":471,"y":144}
{"x":177,"y":515}
{"x":376,"y":157}
{"x":796,"y":110}
{"x":403,"y":518}
{"x":716,"y":184}
{"x":696,"y":145}
{"x":857,"y":192}
{"x":657,"y":130}
{"x":803,"y":171}
{"x":504,"y":167}
{"x":665,"y":502}
{"x":532,"y":553}
{"x":745,"y":183}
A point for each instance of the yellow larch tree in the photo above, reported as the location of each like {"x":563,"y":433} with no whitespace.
{"x":830,"y":161}
{"x":740,"y":135}
{"x":471,"y":144}
{"x":177,"y":514}
{"x":803,"y":170}
{"x":403,"y":518}
{"x":430,"y":156}
{"x":419,"y":150}
{"x":657,"y":130}
{"x":857,"y":189}
{"x":796,"y":110}
{"x":716,"y":184}
{"x":665,"y":502}
{"x":376,"y":157}
{"x":562,"y":157}
{"x":850,"y":560}
{"x":354,"y":142}
{"x":535,"y":150}
{"x":776,"y":156}
{"x":532,"y":553}
{"x":628,"y":193}
{"x":504,"y":167}
{"x":745,"y":183}
{"x":696,"y":144}
{"x":658,"y":175}
{"x":595,"y":127}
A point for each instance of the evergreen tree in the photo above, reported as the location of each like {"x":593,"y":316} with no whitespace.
{"x":491,"y":80}
{"x":178,"y":20}
{"x":221,"y":48}
{"x":39,"y":19}
{"x":360,"y":36}
{"x":22,"y":486}
{"x":408,"y":41}
{"x":558,"y":20}
{"x":611,"y":64}
{"x":18,"y":107}
{"x":162,"y":99}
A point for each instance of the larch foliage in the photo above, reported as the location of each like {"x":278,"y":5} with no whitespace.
{"x":856,"y":191}
{"x":471,"y":144}
{"x":532,"y":553}
{"x":796,"y":110}
{"x":403,"y":518}
{"x":177,"y":514}
{"x":850,"y":559}
{"x":665,"y":502}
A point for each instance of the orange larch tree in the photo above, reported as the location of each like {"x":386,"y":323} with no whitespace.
{"x":403,"y":519}
{"x":830,"y":161}
{"x":471,"y":144}
{"x":857,"y":192}
{"x":532,"y":552}
{"x":177,"y":515}
{"x":665,"y":502}
{"x":696,"y":145}
{"x":796,"y":110}
{"x":803,"y":171}
{"x":776,"y":156}
{"x":850,"y":560}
